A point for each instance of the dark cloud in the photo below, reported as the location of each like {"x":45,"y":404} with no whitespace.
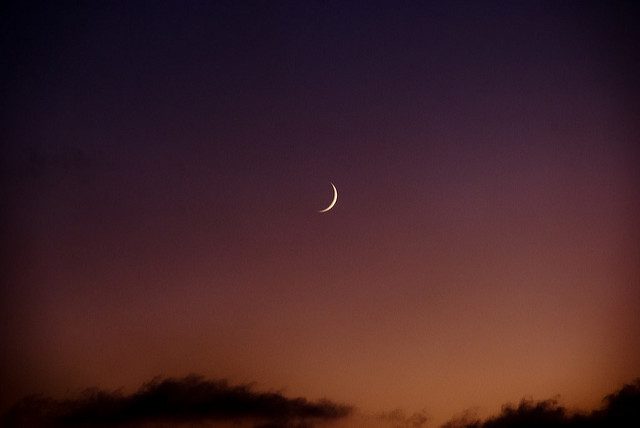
{"x":399,"y":419}
{"x":620,"y":409}
{"x":175,"y":401}
{"x":196,"y":401}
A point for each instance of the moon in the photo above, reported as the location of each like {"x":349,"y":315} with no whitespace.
{"x":333,"y":202}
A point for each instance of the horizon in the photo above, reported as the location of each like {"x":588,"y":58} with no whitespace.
{"x":206,"y":402}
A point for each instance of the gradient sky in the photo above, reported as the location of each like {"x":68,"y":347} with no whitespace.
{"x":164,"y":163}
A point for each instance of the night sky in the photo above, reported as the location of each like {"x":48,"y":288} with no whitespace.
{"x":163,"y":164}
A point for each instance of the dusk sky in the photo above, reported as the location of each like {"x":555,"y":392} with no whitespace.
{"x":163,"y":164}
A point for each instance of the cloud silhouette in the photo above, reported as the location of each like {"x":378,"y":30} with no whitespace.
{"x":175,"y":401}
{"x":399,"y":419}
{"x":620,"y":409}
{"x":194,"y":400}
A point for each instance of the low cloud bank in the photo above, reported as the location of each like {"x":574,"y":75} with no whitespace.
{"x":195,"y":401}
{"x":175,"y":401}
{"x":620,"y":409}
{"x":399,"y":419}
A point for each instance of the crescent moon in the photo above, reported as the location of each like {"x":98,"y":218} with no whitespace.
{"x":333,"y":202}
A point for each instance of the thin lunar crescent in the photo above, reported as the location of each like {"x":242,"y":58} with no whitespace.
{"x":333,"y":202}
